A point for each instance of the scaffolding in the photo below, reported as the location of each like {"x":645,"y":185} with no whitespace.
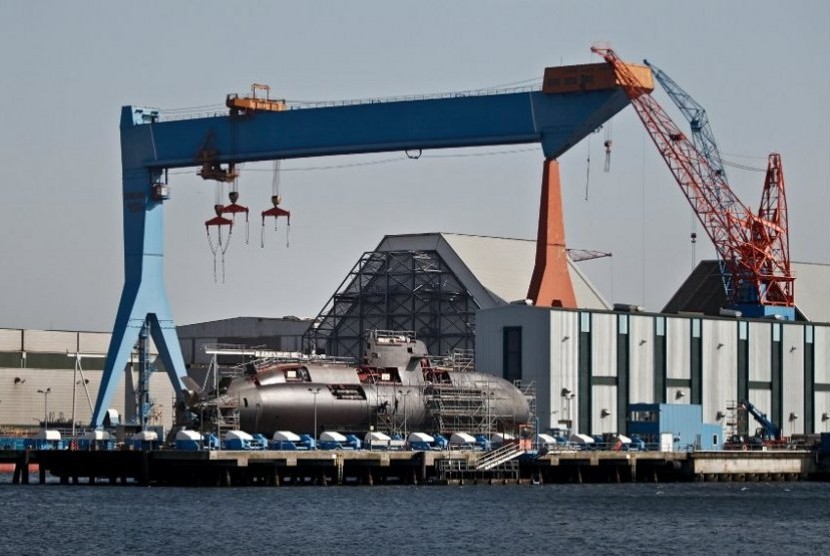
{"x":737,"y":423}
{"x":396,"y":290}
{"x":528,"y":390}
{"x":470,"y":409}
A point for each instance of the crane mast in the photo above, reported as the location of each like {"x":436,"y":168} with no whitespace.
{"x":702,"y":135}
{"x":753,"y":249}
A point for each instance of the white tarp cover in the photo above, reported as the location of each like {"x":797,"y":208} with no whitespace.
{"x":546,"y":438}
{"x":332,"y":436}
{"x":96,"y":435}
{"x":49,"y":434}
{"x":287,"y":436}
{"x":149,"y":436}
{"x":500,"y":437}
{"x":374,"y":437}
{"x":462,"y":438}
{"x":188,"y":435}
{"x":238,"y":435}
{"x":581,"y":439}
{"x":624,"y":439}
{"x":420,"y":437}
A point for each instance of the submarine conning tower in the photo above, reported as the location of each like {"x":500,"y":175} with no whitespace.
{"x":391,"y":348}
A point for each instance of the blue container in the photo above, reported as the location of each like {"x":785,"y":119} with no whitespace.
{"x":282,"y":445}
{"x":353,"y":442}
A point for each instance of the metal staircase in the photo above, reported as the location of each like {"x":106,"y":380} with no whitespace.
{"x":499,"y":456}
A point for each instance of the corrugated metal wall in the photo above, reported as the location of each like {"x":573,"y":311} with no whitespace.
{"x":50,"y":341}
{"x":821,"y":347}
{"x":720,"y":367}
{"x":762,"y":399}
{"x":604,"y":410}
{"x":760,"y":339}
{"x":56,"y":341}
{"x":604,"y":344}
{"x":22,"y":404}
{"x":793,"y":374}
{"x":678,"y":349}
{"x":821,"y":341}
{"x":564,"y":350}
{"x":641,"y":358}
{"x":604,"y":364}
{"x":94,"y":342}
{"x":11,"y":339}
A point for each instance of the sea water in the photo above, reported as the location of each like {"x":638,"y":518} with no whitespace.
{"x":642,"y":518}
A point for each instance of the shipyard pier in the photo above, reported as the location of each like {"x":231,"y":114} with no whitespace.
{"x":441,"y":358}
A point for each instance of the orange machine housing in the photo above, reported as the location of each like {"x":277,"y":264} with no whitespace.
{"x":591,"y":77}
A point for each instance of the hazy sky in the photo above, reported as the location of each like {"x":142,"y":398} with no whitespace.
{"x":759,"y":68}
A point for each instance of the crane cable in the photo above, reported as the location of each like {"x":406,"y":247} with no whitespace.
{"x":276,"y":212}
{"x":219,"y":247}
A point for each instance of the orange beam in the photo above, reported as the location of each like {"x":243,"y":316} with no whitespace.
{"x":551,"y":284}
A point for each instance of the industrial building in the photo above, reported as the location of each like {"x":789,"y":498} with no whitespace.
{"x":275,"y":334}
{"x":53,"y":376}
{"x":586,"y":365}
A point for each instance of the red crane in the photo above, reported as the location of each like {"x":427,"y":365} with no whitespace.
{"x":753,"y":248}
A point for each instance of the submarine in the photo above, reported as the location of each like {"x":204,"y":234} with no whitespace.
{"x":397,"y":386}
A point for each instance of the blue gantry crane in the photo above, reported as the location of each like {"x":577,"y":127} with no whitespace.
{"x":574,"y":101}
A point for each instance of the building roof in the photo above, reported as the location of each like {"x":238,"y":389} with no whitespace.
{"x":703,"y":291}
{"x":243,"y":326}
{"x":495,"y":270}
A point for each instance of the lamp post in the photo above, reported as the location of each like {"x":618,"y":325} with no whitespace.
{"x":314,"y":392}
{"x":567,"y":396}
{"x":490,"y":396}
{"x":45,"y":407}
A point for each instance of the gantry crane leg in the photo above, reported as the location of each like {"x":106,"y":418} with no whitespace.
{"x":144,"y":297}
{"x":550,"y":285}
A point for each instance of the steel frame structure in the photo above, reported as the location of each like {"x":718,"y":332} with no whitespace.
{"x":397,"y":290}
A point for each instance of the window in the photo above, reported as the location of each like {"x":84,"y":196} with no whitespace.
{"x":695,"y":328}
{"x":512,"y":353}
{"x":660,"y":326}
{"x":622,"y":324}
{"x":584,"y":322}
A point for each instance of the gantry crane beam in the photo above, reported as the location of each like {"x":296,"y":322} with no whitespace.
{"x":150,"y":146}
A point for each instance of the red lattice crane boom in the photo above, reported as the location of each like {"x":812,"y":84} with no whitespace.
{"x":753,"y":249}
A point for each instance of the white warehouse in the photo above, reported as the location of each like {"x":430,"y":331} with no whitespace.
{"x":589,"y":365}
